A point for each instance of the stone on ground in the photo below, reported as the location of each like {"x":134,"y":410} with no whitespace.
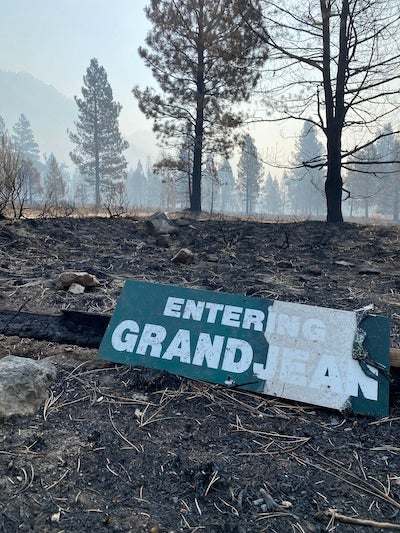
{"x":159,"y":224}
{"x":24,"y":385}
{"x":85,"y":279}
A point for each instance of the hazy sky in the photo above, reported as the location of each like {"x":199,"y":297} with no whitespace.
{"x":54,"y":41}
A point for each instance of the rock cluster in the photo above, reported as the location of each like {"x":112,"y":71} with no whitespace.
{"x":77,"y":282}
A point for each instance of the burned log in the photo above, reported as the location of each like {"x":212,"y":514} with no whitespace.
{"x":69,"y":327}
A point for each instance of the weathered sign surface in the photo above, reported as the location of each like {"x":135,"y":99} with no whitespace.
{"x":316,"y":355}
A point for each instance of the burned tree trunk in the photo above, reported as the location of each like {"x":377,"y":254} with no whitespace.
{"x":70,"y":327}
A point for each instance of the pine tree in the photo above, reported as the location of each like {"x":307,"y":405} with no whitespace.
{"x":271,"y":202}
{"x":250,"y":175}
{"x":56,"y":188}
{"x":183,"y":177}
{"x":211,"y":188}
{"x":3,"y":129}
{"x":363,"y":181}
{"x":388,"y":147}
{"x":153,"y":187}
{"x":24,"y":140}
{"x":306,"y":182}
{"x":228,"y":202}
{"x":205,"y":61}
{"x":136,"y":186}
{"x":98,"y":142}
{"x":373,"y":183}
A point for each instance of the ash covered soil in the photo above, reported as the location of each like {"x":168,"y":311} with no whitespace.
{"x":120,"y":448}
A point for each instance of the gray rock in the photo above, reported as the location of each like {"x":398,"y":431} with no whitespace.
{"x":158,"y":224}
{"x":184,"y":256}
{"x":76,"y":288}
{"x":24,"y":385}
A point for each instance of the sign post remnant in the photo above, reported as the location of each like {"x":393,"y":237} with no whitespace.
{"x":289,"y":350}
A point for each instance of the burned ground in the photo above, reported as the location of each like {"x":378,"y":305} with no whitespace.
{"x":125,"y":449}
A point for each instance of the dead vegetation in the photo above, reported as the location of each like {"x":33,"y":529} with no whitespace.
{"x":126,"y":449}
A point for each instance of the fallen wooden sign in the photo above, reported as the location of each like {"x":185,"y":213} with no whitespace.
{"x":326,"y":357}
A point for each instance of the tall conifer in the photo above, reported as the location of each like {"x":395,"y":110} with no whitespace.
{"x":249,"y":177}
{"x":205,"y":61}
{"x":98,"y":142}
{"x":24,"y":140}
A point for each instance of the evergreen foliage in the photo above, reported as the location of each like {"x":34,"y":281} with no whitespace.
{"x":271,"y":202}
{"x":99,"y":145}
{"x":212,"y":186}
{"x":56,"y":188}
{"x":250,"y":176}
{"x":137,"y":187}
{"x":205,"y":60}
{"x":373,"y":182}
{"x":2,"y":126}
{"x":24,"y":140}
{"x":227,"y":180}
{"x":305,"y":183}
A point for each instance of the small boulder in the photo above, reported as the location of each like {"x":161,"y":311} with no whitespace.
{"x":159,"y":224}
{"x":85,"y":279}
{"x":24,"y":385}
{"x":184,"y":256}
{"x":76,"y":288}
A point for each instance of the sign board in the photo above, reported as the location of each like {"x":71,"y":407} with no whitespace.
{"x":289,"y":350}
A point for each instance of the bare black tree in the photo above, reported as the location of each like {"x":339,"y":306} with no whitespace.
{"x":337,"y":61}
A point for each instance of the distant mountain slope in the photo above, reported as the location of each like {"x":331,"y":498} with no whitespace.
{"x":49,"y":112}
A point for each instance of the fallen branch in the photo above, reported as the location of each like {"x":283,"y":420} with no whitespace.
{"x":332,"y":514}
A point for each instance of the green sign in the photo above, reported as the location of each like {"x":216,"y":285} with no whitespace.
{"x":317,"y":355}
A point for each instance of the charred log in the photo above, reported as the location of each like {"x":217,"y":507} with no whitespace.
{"x":69,"y":327}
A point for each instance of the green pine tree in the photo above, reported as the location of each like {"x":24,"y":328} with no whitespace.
{"x":99,"y":145}
{"x":25,"y":143}
{"x":205,"y":61}
{"x":24,"y":140}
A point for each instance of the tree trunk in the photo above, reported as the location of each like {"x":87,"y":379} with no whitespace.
{"x":335,"y":109}
{"x":195,"y":200}
{"x":334,"y":182}
{"x":96,"y":160}
{"x":70,"y":327}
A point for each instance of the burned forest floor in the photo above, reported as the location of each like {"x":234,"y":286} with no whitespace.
{"x":124,"y":449}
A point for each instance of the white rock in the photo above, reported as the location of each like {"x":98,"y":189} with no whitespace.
{"x":24,"y":385}
{"x":76,"y":288}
